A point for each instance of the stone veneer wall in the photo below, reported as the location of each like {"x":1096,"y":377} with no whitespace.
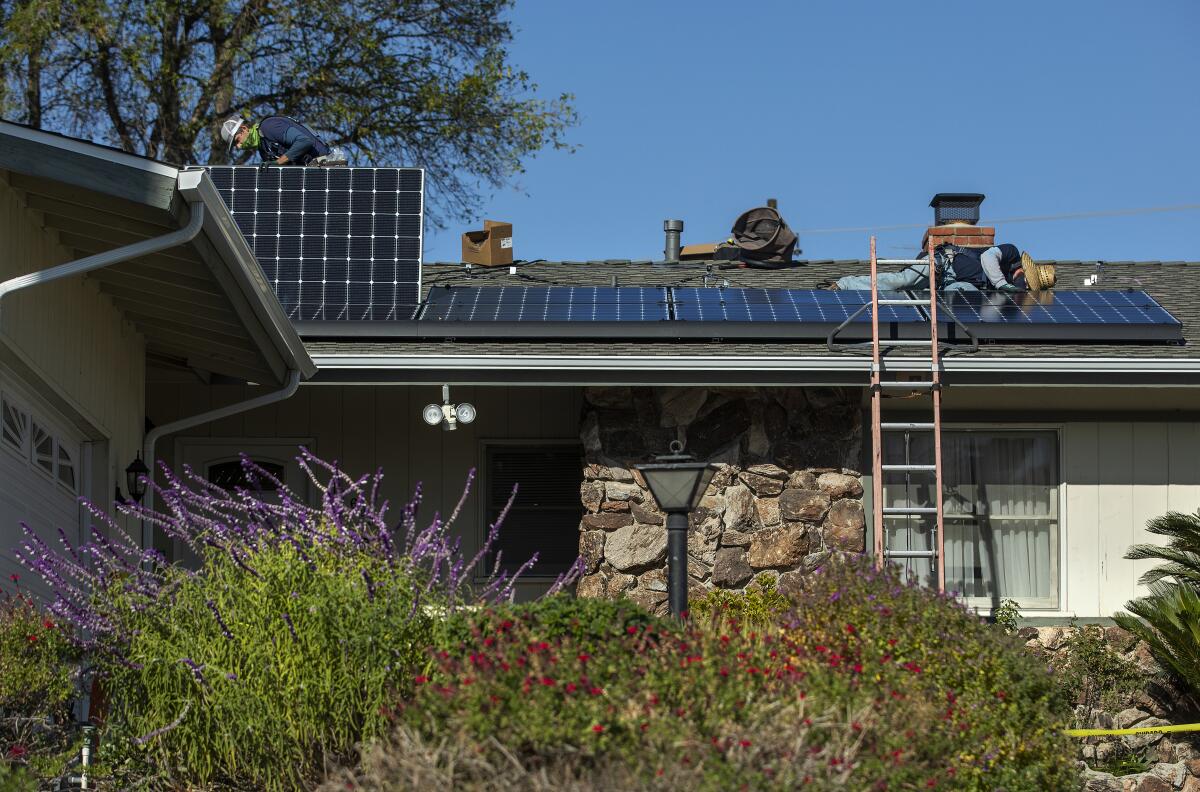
{"x":786,"y":493}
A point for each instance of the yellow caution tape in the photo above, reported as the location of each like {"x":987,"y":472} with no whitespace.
{"x":1185,"y":727}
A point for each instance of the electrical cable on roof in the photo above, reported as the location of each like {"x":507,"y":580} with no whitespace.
{"x":1030,"y":219}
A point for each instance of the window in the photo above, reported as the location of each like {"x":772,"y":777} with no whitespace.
{"x":545,"y":515}
{"x":231,"y":474}
{"x":66,"y":468}
{"x":15,"y":426}
{"x":43,"y":448}
{"x":1000,"y":497}
{"x":37,"y":444}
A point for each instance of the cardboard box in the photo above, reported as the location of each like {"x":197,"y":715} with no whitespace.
{"x":490,"y":247}
{"x":701,"y":251}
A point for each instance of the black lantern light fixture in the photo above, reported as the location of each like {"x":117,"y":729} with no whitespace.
{"x":135,"y":479}
{"x":677,"y":483}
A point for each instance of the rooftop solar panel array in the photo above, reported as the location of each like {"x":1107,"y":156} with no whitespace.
{"x":547,"y":304}
{"x":337,"y":244}
{"x":781,"y":305}
{"x":1063,"y":315}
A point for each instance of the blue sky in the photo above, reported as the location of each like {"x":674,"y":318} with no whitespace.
{"x":855,"y":114}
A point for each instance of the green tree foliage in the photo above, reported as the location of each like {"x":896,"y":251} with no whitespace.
{"x":1168,"y":619}
{"x":401,"y":82}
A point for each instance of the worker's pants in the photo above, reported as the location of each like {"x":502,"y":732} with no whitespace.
{"x":915,"y":276}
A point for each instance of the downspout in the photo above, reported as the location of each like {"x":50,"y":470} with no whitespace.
{"x":286,"y":392}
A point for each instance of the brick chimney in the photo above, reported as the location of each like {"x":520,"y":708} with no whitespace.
{"x":954,"y":221}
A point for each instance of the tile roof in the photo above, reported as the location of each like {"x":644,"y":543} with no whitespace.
{"x":1175,"y":284}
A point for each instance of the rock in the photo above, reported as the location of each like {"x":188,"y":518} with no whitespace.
{"x":1128,"y":717}
{"x":721,"y":427}
{"x":763,"y":486}
{"x":803,"y":480}
{"x":1174,"y":774}
{"x":618,"y":584}
{"x":591,"y":586}
{"x":654,"y":580}
{"x":1104,"y":751}
{"x":803,"y":504}
{"x":589,"y":435}
{"x":620,"y":474}
{"x":1142,"y":658}
{"x":607,"y":521}
{"x":646,"y":514}
{"x":845,"y":527}
{"x":741,"y":514}
{"x":703,"y":541}
{"x":591,"y":549}
{"x":653,"y":601}
{"x":1118,"y":638}
{"x":730,"y":569}
{"x":1148,"y":782}
{"x":592,"y":495}
{"x":725,"y":475}
{"x":636,"y":546}
{"x":614,"y":506}
{"x":680,"y":406}
{"x":762,"y":580}
{"x":1193,"y":766}
{"x":758,"y":445}
{"x":839,"y":485}
{"x":790,"y":584}
{"x":770,"y":471}
{"x":735,"y":538}
{"x":1136,"y":742}
{"x":608,"y":396}
{"x":621,"y":491}
{"x":782,"y":547}
{"x":1088,"y":752}
{"x":1191,"y":784}
{"x":1050,"y":637}
{"x":1101,"y":782}
{"x":768,"y":511}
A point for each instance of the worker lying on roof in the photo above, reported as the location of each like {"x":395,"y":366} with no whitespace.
{"x":1002,"y":267}
{"x":281,"y":140}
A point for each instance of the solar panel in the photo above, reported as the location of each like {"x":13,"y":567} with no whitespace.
{"x":1063,"y":316}
{"x":337,"y":244}
{"x":813,"y":306}
{"x":542,"y":304}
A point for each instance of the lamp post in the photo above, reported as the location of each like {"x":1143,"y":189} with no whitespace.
{"x":677,"y":483}
{"x":135,"y":479}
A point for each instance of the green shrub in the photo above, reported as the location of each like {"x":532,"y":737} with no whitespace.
{"x":760,"y":605}
{"x":14,"y":778}
{"x":868,"y":683}
{"x":1096,"y":676}
{"x":256,"y":680}
{"x":588,"y":622}
{"x":1007,"y":615}
{"x":1168,"y":619}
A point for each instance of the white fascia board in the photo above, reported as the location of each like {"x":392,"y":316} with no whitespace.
{"x":755,"y":367}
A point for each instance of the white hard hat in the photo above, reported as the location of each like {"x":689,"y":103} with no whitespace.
{"x":230,"y":128}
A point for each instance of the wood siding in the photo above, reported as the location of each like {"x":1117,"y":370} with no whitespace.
{"x":1119,"y":475}
{"x":369,"y":427}
{"x":70,"y":344}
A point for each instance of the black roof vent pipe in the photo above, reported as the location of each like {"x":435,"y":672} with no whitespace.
{"x":673,"y":229}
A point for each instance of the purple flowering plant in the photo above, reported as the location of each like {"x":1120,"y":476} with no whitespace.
{"x":283,"y":648}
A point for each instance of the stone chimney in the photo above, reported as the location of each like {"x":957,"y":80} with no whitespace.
{"x":955,"y":216}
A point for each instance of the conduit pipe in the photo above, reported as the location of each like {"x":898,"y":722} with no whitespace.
{"x":151,"y":439}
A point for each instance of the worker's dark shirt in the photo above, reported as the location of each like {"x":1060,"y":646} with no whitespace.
{"x":968,"y":267}
{"x":280,"y":135}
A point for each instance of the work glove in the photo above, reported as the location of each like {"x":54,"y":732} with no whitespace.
{"x":265,"y":164}
{"x":1008,"y":288}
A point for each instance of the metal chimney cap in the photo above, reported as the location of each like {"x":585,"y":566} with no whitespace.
{"x":957,"y":199}
{"x":956,"y":208}
{"x":672,"y":225}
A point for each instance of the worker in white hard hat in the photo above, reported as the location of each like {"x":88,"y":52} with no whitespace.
{"x":279,"y":140}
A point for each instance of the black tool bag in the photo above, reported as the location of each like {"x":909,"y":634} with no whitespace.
{"x":760,"y":235}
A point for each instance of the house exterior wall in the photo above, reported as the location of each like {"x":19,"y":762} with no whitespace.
{"x":369,"y":427}
{"x":67,"y":342}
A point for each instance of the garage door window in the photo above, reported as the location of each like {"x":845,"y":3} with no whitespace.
{"x":37,"y":444}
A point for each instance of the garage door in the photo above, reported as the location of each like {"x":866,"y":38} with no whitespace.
{"x":39,"y":482}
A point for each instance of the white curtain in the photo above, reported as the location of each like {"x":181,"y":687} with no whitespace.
{"x":1001,"y":513}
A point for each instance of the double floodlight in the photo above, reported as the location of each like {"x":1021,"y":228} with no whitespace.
{"x":447,"y":414}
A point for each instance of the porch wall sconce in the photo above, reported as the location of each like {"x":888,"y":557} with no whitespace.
{"x":135,"y":479}
{"x":677,"y":483}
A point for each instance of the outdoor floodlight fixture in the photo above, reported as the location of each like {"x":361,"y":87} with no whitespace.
{"x":135,"y":479}
{"x":677,"y":483}
{"x":447,"y":414}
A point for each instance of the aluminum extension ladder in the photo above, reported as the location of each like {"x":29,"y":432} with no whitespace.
{"x":933,"y":384}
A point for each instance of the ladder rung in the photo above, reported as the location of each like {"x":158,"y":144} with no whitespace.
{"x":908,"y":301}
{"x":910,"y":467}
{"x":903,"y":427}
{"x":913,"y":385}
{"x":889,"y":511}
{"x":902,"y":261}
{"x":909,"y":554}
{"x":907,"y":342}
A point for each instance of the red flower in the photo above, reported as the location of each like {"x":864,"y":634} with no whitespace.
{"x":14,"y":577}
{"x":819,"y":647}
{"x":32,"y":638}
{"x":744,"y":743}
{"x":858,"y":668}
{"x":421,"y":680}
{"x":547,"y":681}
{"x":17,"y":751}
{"x":49,"y":625}
{"x":595,"y":691}
{"x":583,"y":658}
{"x":597,"y":728}
{"x":489,"y":641}
{"x":631,"y":630}
{"x":724,"y":671}
{"x":570,"y":687}
{"x":506,"y":624}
